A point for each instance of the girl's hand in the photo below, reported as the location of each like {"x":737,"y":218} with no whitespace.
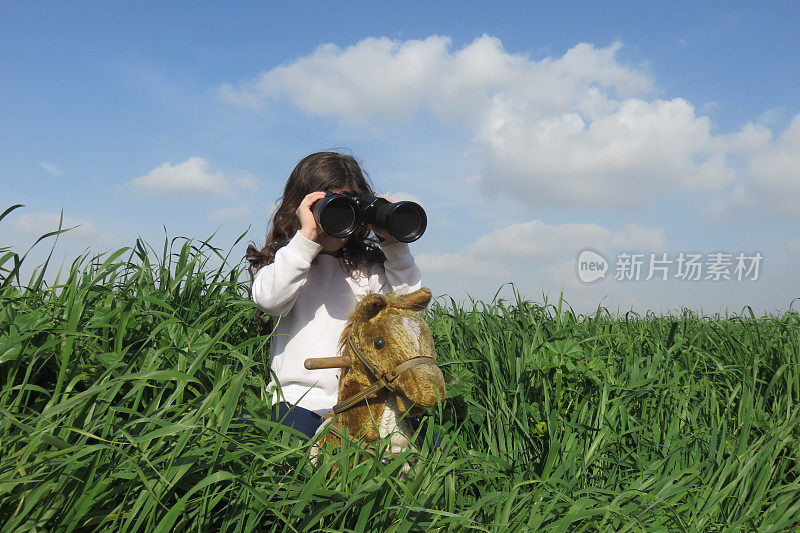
{"x":382,"y":233}
{"x":308,"y":224}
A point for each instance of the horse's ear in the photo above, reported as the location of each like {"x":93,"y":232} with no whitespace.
{"x":417,"y":300}
{"x":370,"y":306}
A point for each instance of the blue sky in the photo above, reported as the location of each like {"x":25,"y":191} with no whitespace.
{"x":528,"y":133}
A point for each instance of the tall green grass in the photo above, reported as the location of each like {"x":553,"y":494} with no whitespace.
{"x":133,"y":399}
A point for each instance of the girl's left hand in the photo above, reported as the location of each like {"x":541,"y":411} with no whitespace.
{"x":382,"y":233}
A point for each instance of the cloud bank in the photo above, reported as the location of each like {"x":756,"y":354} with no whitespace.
{"x":576,"y":131}
{"x":192,"y":177}
{"x":81,"y":231}
{"x":535,"y":246}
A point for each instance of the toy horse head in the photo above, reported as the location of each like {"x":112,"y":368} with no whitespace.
{"x":389,"y":370}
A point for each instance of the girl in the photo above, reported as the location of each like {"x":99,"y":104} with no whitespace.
{"x":310,"y":282}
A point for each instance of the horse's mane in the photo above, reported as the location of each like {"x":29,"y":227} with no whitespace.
{"x":371,"y":301}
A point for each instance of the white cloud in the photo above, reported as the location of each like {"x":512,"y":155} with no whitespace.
{"x":247,"y":181}
{"x":536,"y":244}
{"x":52,"y":168}
{"x":575,"y":131}
{"x":37,"y":224}
{"x":773,"y":116}
{"x":771,"y":178}
{"x":567,"y":131}
{"x":379,"y":79}
{"x":230,"y":214}
{"x":630,"y":153}
{"x":736,"y":201}
{"x":191,"y":177}
{"x":775,"y":171}
{"x":475,"y":267}
{"x":402,"y":196}
{"x":794,"y":249}
{"x":710,"y":106}
{"x":354,"y":84}
{"x":749,"y":138}
{"x":537,"y":257}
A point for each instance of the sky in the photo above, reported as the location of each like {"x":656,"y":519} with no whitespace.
{"x":574,"y":148}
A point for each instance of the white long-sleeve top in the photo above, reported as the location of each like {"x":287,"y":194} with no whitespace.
{"x":311,"y":296}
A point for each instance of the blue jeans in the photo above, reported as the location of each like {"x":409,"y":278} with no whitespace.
{"x":307,"y":422}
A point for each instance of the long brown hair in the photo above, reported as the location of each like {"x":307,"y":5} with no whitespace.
{"x":320,"y":171}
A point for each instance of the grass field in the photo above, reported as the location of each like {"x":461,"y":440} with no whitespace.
{"x":132,"y":399}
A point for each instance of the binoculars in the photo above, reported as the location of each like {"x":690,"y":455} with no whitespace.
{"x":341,"y":214}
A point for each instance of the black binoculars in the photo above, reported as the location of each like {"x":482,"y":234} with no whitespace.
{"x":341,"y":214}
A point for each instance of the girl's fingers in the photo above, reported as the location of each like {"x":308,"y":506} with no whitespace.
{"x":308,"y":224}
{"x":311,"y":198}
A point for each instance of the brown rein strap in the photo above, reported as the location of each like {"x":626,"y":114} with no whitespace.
{"x":386,"y":379}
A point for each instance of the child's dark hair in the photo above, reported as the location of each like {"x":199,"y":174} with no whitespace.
{"x":320,"y":171}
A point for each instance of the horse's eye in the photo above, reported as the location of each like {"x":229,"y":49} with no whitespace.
{"x":379,"y":342}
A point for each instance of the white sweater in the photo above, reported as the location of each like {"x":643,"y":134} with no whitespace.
{"x":311,"y":296}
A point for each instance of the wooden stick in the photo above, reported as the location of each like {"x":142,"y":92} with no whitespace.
{"x":314,"y":363}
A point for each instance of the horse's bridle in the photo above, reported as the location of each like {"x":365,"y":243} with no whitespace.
{"x":385,"y":379}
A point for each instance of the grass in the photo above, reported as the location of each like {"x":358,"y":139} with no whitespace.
{"x":132,"y":399}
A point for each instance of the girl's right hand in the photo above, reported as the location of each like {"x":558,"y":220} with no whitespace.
{"x":308,"y":224}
